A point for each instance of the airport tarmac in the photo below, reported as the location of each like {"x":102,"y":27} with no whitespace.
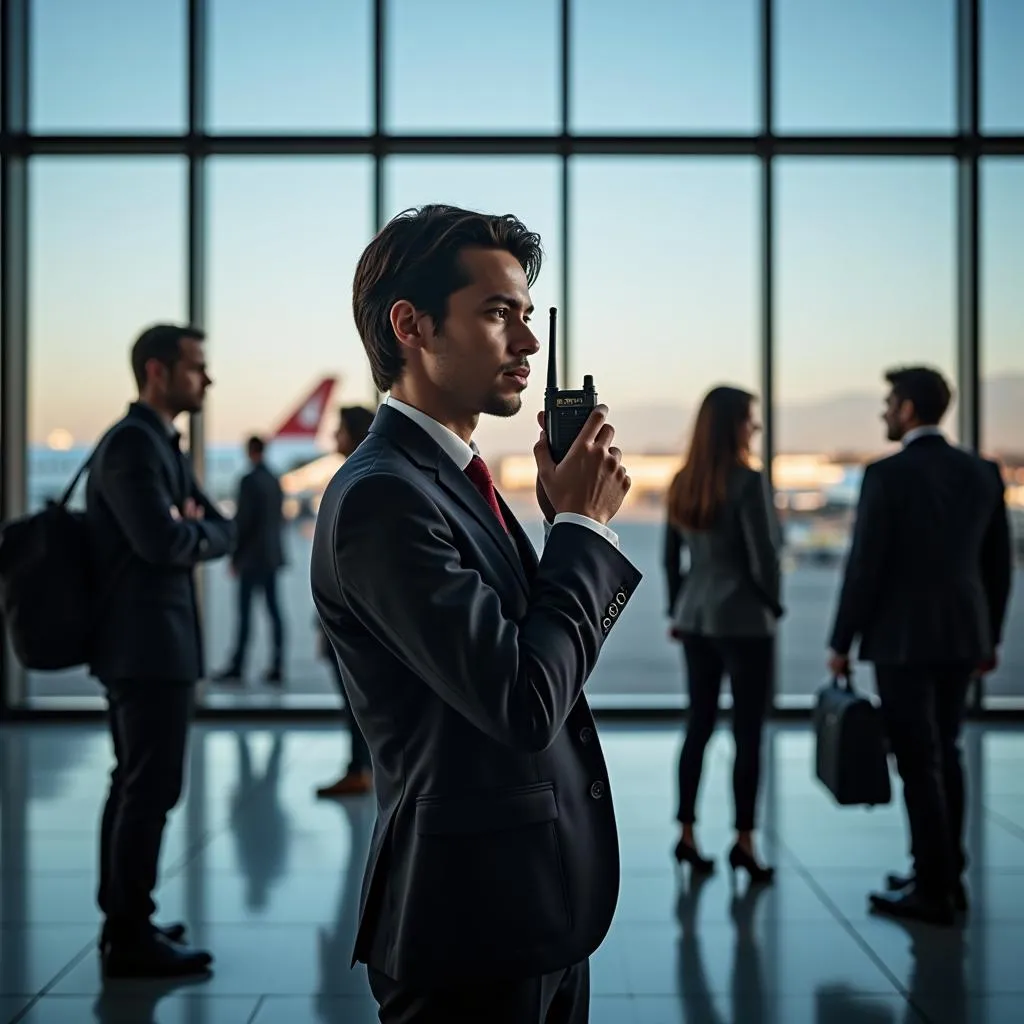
{"x":639,"y":665}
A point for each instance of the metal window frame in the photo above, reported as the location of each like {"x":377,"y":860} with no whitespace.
{"x":967,"y":146}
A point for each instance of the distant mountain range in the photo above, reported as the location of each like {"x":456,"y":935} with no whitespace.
{"x":851,"y":421}
{"x":842,"y":422}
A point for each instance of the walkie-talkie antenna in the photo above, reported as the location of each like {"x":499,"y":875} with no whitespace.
{"x":552,"y":351}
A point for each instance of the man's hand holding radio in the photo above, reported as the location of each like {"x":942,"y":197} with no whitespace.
{"x":591,"y":480}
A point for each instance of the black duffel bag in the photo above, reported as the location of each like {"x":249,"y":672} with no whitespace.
{"x":851,"y":749}
{"x":47,"y":596}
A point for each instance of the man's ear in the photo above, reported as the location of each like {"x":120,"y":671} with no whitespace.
{"x":156,"y":372}
{"x":412,"y":328}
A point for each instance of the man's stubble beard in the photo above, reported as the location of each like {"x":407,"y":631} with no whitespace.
{"x":498,"y":405}
{"x":192,"y":406}
{"x":494,"y":404}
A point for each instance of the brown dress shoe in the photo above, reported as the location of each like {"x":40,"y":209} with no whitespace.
{"x":352,"y":784}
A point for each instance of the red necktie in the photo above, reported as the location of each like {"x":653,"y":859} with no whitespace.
{"x":480,"y":477}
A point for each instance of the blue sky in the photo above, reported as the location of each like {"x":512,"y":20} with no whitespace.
{"x":664,"y":286}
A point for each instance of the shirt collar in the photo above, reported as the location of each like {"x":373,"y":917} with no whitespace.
{"x":450,"y":443}
{"x":151,"y":414}
{"x":912,"y":435}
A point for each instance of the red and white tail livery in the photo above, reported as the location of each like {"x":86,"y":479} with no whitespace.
{"x":303,"y":424}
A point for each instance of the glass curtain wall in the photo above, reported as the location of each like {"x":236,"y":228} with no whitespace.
{"x":784,"y":195}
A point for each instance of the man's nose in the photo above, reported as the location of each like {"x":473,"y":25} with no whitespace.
{"x":525,"y":341}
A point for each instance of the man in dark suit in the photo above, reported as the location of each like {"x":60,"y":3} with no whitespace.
{"x":354,"y":422}
{"x":493,"y":869}
{"x":149,"y":526}
{"x":926,"y":587}
{"x":258,"y":558}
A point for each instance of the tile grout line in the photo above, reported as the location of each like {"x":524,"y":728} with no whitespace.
{"x":54,"y":981}
{"x":191,"y":852}
{"x":256,"y":1009}
{"x":174,"y":871}
{"x":1005,"y":823}
{"x":847,"y":925}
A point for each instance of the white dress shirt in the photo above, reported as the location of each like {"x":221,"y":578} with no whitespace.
{"x":462,"y":454}
{"x":912,"y":435}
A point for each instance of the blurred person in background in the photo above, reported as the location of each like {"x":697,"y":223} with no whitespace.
{"x":149,"y":525}
{"x":724,"y":609}
{"x":258,"y":558}
{"x":925,"y":590}
{"x":353,"y":426}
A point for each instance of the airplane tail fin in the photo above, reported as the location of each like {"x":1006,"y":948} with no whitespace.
{"x":304,"y":422}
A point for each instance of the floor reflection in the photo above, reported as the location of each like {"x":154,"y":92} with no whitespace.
{"x":747,"y":991}
{"x":259,"y":822}
{"x":269,"y":878}
{"x":334,"y":941}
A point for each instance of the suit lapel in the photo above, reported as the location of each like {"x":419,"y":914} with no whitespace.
{"x":173,"y":457}
{"x":461,"y":488}
{"x":527,"y":552}
{"x":427,"y":454}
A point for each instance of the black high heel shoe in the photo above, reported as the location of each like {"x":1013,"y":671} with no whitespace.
{"x":698,"y":864}
{"x":759,"y":875}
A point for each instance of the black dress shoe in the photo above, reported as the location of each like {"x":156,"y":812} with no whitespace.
{"x":894,"y":882}
{"x":898,"y":883}
{"x":174,"y":932}
{"x":154,"y":957}
{"x":910,"y":904}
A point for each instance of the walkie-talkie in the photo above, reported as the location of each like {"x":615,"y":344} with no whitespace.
{"x":565,"y":412}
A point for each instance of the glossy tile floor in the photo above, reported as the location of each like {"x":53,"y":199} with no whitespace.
{"x":268,"y":878}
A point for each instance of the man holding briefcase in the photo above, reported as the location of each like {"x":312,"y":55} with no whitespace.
{"x":926,"y":587}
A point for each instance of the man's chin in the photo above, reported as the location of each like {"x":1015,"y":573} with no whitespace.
{"x":503,"y":405}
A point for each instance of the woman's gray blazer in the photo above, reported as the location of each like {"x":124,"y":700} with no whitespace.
{"x":732,"y":585}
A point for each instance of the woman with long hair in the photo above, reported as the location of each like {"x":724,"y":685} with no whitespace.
{"x":723,"y":608}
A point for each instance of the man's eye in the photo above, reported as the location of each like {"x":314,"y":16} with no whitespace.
{"x":500,"y":313}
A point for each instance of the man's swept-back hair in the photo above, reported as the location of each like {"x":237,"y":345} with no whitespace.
{"x":416,"y":257}
{"x":926,"y":388}
{"x":163,"y":343}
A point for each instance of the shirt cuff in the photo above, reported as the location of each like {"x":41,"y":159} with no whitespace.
{"x":573,"y":517}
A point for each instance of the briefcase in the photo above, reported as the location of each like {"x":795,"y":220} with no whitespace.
{"x":851,"y":749}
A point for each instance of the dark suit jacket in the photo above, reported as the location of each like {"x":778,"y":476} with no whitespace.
{"x":495,"y":851}
{"x":732,"y":586}
{"x":259,"y":520}
{"x":928,"y":574}
{"x":147,"y":623}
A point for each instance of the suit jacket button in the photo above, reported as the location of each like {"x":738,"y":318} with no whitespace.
{"x":586,"y":734}
{"x":597,"y":790}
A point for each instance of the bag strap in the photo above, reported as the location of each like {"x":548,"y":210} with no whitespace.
{"x":149,"y":428}
{"x":66,"y":497}
{"x":844,"y":682}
